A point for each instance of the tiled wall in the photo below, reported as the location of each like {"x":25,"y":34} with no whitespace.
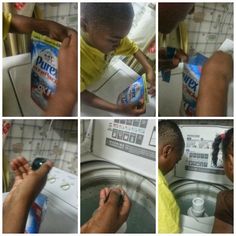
{"x":63,"y":13}
{"x":214,"y":26}
{"x":31,"y":138}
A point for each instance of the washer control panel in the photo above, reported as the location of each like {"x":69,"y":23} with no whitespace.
{"x":131,"y":143}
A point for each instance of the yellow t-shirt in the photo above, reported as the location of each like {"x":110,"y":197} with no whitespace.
{"x":6,"y":23}
{"x":168,"y":210}
{"x":94,"y":62}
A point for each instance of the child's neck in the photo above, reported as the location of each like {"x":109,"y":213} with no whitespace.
{"x":85,"y":38}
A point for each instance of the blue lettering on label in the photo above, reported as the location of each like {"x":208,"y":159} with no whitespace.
{"x":191,"y":83}
{"x":45,"y":66}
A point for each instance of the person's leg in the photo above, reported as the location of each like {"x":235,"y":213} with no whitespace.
{"x":28,"y":184}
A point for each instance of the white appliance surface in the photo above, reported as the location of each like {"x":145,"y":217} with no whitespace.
{"x":17,"y":99}
{"x":21,"y":81}
{"x":130,"y":144}
{"x":116,"y":78}
{"x":12,"y":104}
{"x":62,"y":192}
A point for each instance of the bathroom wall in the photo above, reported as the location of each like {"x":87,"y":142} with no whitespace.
{"x":31,"y":138}
{"x":208,"y":27}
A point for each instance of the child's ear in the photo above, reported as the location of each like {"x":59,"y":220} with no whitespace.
{"x":83,"y":24}
{"x":167,"y":149}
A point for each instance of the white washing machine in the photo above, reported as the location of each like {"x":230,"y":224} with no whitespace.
{"x":17,"y":99}
{"x":195,"y":181}
{"x":62,"y":210}
{"x":115,"y":79}
{"x":122,"y":153}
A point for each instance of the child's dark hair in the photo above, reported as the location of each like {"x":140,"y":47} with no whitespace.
{"x":169,"y":132}
{"x":106,"y":14}
{"x":226,"y":139}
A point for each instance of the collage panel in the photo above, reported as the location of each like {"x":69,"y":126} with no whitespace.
{"x":40,"y":176}
{"x":39,"y":62}
{"x":118,"y":176}
{"x":111,"y":186}
{"x":195,"y":176}
{"x":195,"y":59}
{"x":117,"y":67}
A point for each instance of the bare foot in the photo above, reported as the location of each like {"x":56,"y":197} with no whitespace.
{"x":113,"y":211}
{"x":28,"y":184}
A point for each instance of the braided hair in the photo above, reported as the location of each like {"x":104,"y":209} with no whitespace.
{"x":226,"y":140}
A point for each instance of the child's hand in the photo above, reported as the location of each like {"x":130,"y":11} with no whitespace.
{"x":151,"y":83}
{"x":57,"y":31}
{"x":131,"y":109}
{"x":165,"y":63}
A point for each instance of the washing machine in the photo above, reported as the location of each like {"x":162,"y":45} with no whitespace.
{"x":116,"y":78}
{"x":121,"y":153}
{"x":195,"y":181}
{"x":61,"y":190}
{"x":17,"y":99}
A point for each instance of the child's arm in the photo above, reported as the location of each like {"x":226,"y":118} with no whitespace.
{"x":97,"y":102}
{"x":222,"y":227}
{"x":149,"y":71}
{"x":24,"y":25}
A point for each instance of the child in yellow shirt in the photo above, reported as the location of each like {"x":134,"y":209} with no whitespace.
{"x":104,"y":29}
{"x":170,"y":150}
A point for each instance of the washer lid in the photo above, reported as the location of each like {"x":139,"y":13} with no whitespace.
{"x":130,"y":144}
{"x":116,"y":78}
{"x":196,"y":163}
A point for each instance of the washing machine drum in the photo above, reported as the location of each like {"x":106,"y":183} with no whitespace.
{"x":197,"y":201}
{"x":98,"y":174}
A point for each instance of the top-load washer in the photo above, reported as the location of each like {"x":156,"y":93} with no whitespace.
{"x":116,"y":78}
{"x":17,"y":100}
{"x":195,"y":181}
{"x":122,"y":154}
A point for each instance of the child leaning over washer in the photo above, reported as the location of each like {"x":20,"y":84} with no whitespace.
{"x":104,"y":27}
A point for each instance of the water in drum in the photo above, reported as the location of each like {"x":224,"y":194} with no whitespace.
{"x":88,"y":206}
{"x":139,"y":221}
